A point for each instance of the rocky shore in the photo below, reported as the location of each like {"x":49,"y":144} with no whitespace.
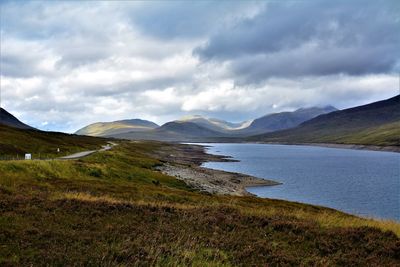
{"x":184,"y":162}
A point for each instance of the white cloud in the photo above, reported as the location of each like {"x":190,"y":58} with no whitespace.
{"x":221,"y":96}
{"x":68,"y":64}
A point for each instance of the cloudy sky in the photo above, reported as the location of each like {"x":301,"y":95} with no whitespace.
{"x":67,"y":64}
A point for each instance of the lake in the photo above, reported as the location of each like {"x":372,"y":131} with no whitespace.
{"x":361,"y":182}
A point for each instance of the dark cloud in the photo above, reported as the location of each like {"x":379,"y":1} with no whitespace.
{"x":183,"y":19}
{"x":311,"y":38}
{"x":313,"y":62}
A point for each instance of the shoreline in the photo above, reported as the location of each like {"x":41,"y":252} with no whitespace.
{"x":183,"y":161}
{"x":185,"y":164}
{"x":394,"y":149}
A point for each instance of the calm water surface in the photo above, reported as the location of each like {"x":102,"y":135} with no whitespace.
{"x":361,"y":182}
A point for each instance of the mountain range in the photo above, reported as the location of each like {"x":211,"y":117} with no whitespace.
{"x":376,"y":123}
{"x":195,"y":128}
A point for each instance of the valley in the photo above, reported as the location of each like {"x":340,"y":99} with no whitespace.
{"x":200,"y":133}
{"x":374,"y":126}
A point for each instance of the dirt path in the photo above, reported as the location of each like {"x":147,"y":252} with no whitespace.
{"x":87,"y":153}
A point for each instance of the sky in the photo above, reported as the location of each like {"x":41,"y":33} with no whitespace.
{"x":68,"y":64}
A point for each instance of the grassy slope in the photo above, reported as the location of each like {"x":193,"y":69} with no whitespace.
{"x":373,"y":124}
{"x":383,"y":135}
{"x":112,"y":209}
{"x":15,"y":142}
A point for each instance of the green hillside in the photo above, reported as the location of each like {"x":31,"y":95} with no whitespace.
{"x":385,"y":135}
{"x":16,"y":142}
{"x":116,"y":127}
{"x":114,"y":209}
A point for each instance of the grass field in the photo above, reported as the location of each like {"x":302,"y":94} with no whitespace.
{"x":113,"y":208}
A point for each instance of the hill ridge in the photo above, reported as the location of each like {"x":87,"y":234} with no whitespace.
{"x":6,"y":118}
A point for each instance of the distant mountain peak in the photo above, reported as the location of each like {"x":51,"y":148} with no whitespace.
{"x":285,"y":120}
{"x":330,"y":107}
{"x":191,"y":117}
{"x":213,"y":123}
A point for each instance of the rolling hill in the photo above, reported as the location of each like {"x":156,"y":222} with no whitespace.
{"x":188,"y":128}
{"x":17,"y":138}
{"x":372,"y":124}
{"x":175,"y":131}
{"x":8,"y":119}
{"x":116,"y":127}
{"x":199,"y":128}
